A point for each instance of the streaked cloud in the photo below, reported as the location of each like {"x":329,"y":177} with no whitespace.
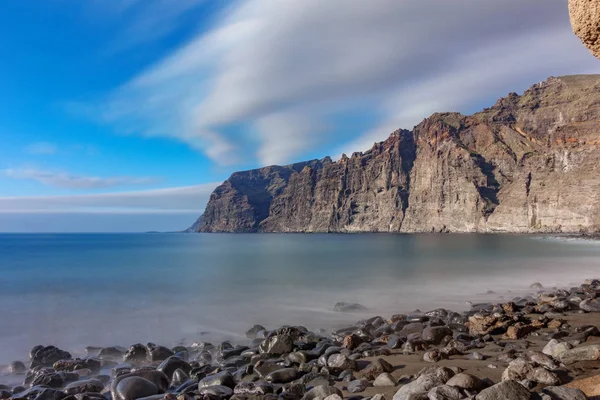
{"x":170,"y":200}
{"x":41,"y":148}
{"x":268,"y":64}
{"x":70,"y":181}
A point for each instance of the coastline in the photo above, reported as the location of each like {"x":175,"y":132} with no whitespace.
{"x":490,"y":344}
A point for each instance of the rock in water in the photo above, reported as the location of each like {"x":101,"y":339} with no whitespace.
{"x":348,"y":307}
{"x":278,"y":344}
{"x":585,"y":19}
{"x":134,"y":387}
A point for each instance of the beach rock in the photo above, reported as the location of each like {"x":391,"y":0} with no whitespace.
{"x":466,"y":381}
{"x":476,"y":356}
{"x":348,"y":307}
{"x":159,"y":353}
{"x":179,"y":377}
{"x":518,"y":331}
{"x":427,"y":380}
{"x":358,"y":385}
{"x":444,"y":392}
{"x":536,"y":286}
{"x":48,"y":377}
{"x":171,"y":364}
{"x":38,"y":393}
{"x":352,"y":341}
{"x":435,"y":334}
{"x":563,"y":393}
{"x":223,"y":378}
{"x":158,"y":378}
{"x":284,"y":375}
{"x":479,"y":324}
{"x":16,"y":368}
{"x":521,"y":369}
{"x":46,"y":356}
{"x":376,"y":368}
{"x":5,"y":394}
{"x":279,"y":344}
{"x":554,"y":348}
{"x":134,"y":387}
{"x":590,"y":305}
{"x":78,"y":363}
{"x":136,"y":353}
{"x":111,"y":352}
{"x":216,"y":391}
{"x":341,"y":362}
{"x":321,"y":392}
{"x":583,"y":353}
{"x":385,"y":380}
{"x":433,"y":356}
{"x":505,"y":390}
{"x":84,"y":386}
{"x":253,"y":332}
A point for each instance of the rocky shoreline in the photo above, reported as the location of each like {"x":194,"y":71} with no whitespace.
{"x":544,"y":346}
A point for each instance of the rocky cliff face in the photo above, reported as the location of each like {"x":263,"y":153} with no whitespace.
{"x":530,"y":163}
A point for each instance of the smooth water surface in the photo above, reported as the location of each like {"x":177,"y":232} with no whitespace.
{"x":118,"y":289}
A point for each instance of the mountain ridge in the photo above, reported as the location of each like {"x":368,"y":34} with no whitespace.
{"x":527,"y":164}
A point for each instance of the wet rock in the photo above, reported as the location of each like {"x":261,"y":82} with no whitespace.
{"x":49,"y":378}
{"x":159,"y":353}
{"x":590,"y":305}
{"x":385,"y":380}
{"x":466,"y":381}
{"x":253,"y":332}
{"x":358,"y":386}
{"x":536,"y":286}
{"x":505,"y":390}
{"x":563,"y":393}
{"x":179,"y":377}
{"x":46,"y":356}
{"x":279,"y":344}
{"x":376,"y":368}
{"x":223,"y":378}
{"x":84,"y":386}
{"x":583,"y":353}
{"x":348,"y":307}
{"x":17,"y":368}
{"x":38,"y":393}
{"x":134,"y":387}
{"x":111,"y":352}
{"x":217,"y":391}
{"x":158,"y":378}
{"x":136,"y":353}
{"x":253,"y":388}
{"x":435,"y":334}
{"x":173,"y":363}
{"x":78,"y":363}
{"x":284,"y":375}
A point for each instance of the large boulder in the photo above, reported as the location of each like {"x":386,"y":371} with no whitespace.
{"x":48,"y":355}
{"x":506,"y":390}
{"x":279,"y":344}
{"x":582,"y":353}
{"x":134,"y":387}
{"x":585,"y":19}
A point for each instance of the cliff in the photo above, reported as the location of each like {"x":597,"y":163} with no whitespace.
{"x":530,"y":163}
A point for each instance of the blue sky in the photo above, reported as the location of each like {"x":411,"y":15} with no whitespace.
{"x":123,"y":115}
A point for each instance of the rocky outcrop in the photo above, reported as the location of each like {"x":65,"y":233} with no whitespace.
{"x":585,"y":19}
{"x":528,"y":164}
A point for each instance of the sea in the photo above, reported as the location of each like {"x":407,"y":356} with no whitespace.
{"x":78,"y":290}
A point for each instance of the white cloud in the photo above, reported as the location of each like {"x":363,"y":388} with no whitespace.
{"x":171,"y":200}
{"x":268,"y":64}
{"x":41,"y":148}
{"x":69,"y":181}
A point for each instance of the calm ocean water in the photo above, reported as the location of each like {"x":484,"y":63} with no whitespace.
{"x":118,"y":289}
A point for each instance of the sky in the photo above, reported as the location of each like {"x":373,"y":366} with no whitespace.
{"x":124,"y":115}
